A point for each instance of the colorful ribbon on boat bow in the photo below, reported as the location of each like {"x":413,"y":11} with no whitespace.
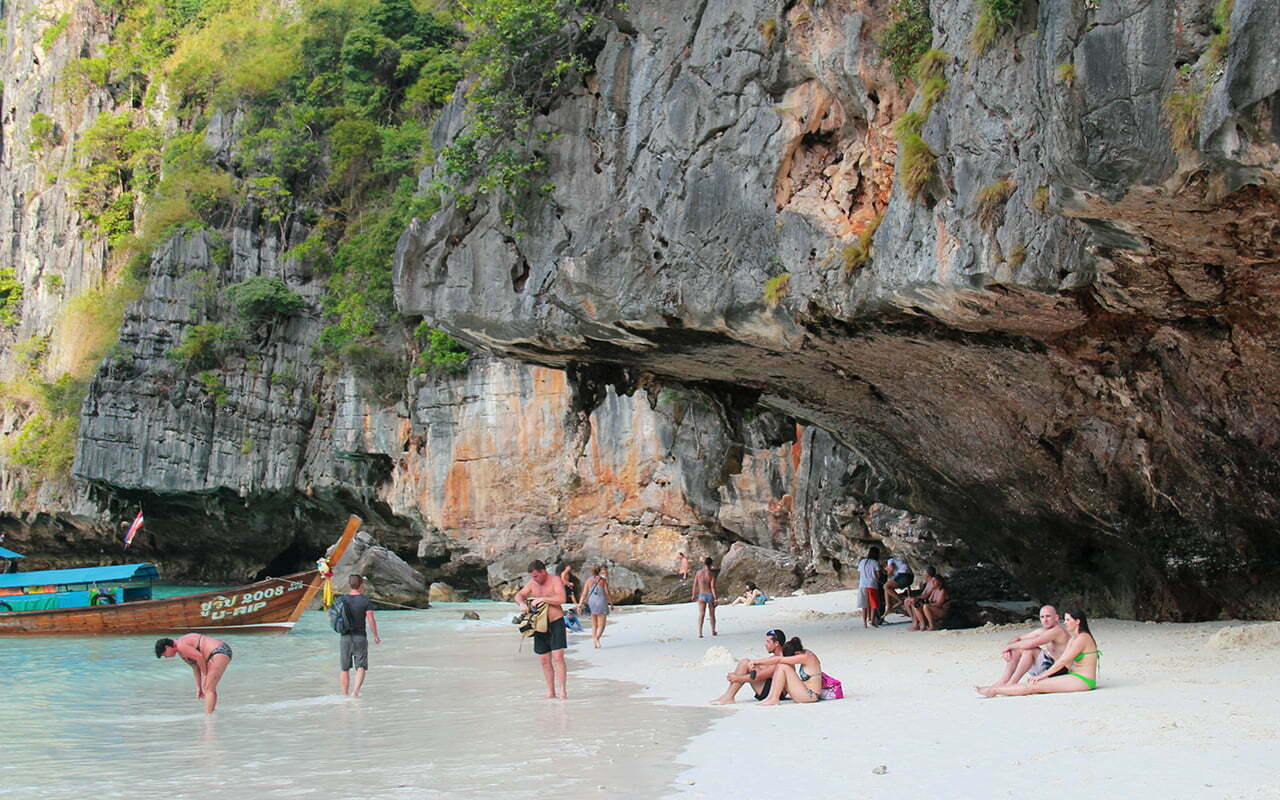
{"x":323,"y":566}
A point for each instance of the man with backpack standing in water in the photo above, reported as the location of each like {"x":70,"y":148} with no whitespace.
{"x":349,"y":615}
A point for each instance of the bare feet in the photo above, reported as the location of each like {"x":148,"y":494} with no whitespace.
{"x":766,"y":702}
{"x":720,"y":701}
{"x":551,"y":695}
{"x":987,"y":692}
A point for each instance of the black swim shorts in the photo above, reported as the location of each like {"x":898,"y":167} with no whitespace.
{"x":554,"y":639}
{"x":764,"y":690}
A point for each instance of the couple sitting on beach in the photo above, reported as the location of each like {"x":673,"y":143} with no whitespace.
{"x":1059,"y":656}
{"x":789,"y":669}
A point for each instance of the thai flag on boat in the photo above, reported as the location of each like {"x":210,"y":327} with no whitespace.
{"x":133,"y":529}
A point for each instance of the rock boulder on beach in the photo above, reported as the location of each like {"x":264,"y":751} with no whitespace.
{"x":386,"y":575}
{"x":444,"y":593}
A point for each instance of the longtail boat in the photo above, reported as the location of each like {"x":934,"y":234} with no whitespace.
{"x":115,"y":601}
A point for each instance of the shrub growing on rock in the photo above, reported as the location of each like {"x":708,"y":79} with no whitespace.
{"x":260,"y":299}
{"x":204,"y":346}
{"x":916,"y":162}
{"x":858,"y":253}
{"x":10,"y":297}
{"x":991,"y":200}
{"x":907,"y":38}
{"x":1182,"y":108}
{"x":776,"y":288}
{"x":997,"y":15}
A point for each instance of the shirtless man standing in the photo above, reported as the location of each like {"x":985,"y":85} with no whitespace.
{"x":761,"y":679}
{"x":543,"y":587}
{"x":208,"y":658}
{"x":704,"y":592}
{"x":1034,"y":652}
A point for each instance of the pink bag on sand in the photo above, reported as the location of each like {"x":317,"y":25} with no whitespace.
{"x":831,"y":688}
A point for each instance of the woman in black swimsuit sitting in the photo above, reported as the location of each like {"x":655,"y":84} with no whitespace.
{"x":208,"y":658}
{"x":798,"y":672}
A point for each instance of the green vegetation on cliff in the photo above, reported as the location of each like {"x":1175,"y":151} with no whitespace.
{"x":321,"y":113}
{"x":907,"y":37}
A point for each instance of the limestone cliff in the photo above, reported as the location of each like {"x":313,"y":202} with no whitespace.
{"x":1061,"y":344}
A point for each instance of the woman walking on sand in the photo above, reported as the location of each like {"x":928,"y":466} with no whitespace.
{"x":595,"y":600}
{"x":798,"y":672}
{"x":1080,"y":657}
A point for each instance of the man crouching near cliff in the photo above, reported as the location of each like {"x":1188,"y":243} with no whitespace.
{"x":543,"y":587}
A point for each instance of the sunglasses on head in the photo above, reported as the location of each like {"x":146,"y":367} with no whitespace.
{"x":771,"y":634}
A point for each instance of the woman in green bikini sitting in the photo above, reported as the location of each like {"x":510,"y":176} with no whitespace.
{"x":1079,"y":661}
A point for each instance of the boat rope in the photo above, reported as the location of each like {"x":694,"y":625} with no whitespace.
{"x":397,"y":605}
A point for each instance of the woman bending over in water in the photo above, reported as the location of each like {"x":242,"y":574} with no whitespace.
{"x":1080,"y":657}
{"x":797,"y":671}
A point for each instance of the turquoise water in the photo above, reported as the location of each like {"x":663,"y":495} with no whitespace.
{"x":451,"y":708}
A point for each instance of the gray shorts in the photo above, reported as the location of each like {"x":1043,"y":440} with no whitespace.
{"x":1042,"y":663}
{"x":353,"y":651}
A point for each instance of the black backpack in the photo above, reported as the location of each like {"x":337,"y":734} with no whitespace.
{"x":339,"y":618}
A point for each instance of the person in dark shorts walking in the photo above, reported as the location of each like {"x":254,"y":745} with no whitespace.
{"x":545,"y":588}
{"x":353,"y":646}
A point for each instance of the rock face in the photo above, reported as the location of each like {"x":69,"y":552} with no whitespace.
{"x":774,"y":572}
{"x":1062,"y":350}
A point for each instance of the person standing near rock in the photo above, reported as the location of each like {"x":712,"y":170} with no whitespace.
{"x":682,"y":567}
{"x":544,"y":588}
{"x":899,"y":577}
{"x":869,"y":586}
{"x":570,"y":585}
{"x":595,"y":599}
{"x":704,"y":593}
{"x":353,"y":646}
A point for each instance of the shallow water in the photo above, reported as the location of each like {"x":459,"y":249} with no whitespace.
{"x":450,"y":709}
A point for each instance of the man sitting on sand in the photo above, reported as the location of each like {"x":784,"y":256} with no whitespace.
{"x":1032,"y":653}
{"x":933,"y":604}
{"x":761,"y":679}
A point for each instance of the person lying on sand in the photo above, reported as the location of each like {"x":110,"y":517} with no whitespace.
{"x":1032,"y":653}
{"x":751,"y":597}
{"x":760,"y":678}
{"x":932,"y":605}
{"x":797,"y":671}
{"x":1081,"y":654}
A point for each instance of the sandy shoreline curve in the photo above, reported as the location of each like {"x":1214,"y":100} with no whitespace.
{"x":1182,"y":710}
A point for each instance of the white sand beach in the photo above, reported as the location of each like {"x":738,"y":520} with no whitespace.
{"x":1182,"y":710}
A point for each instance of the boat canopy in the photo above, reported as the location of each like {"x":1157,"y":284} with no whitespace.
{"x":7,"y":553}
{"x":85,"y":575}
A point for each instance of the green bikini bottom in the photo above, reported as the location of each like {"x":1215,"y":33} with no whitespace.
{"x":1090,"y":682}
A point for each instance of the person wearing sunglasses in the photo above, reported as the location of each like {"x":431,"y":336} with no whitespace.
{"x":761,"y":678}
